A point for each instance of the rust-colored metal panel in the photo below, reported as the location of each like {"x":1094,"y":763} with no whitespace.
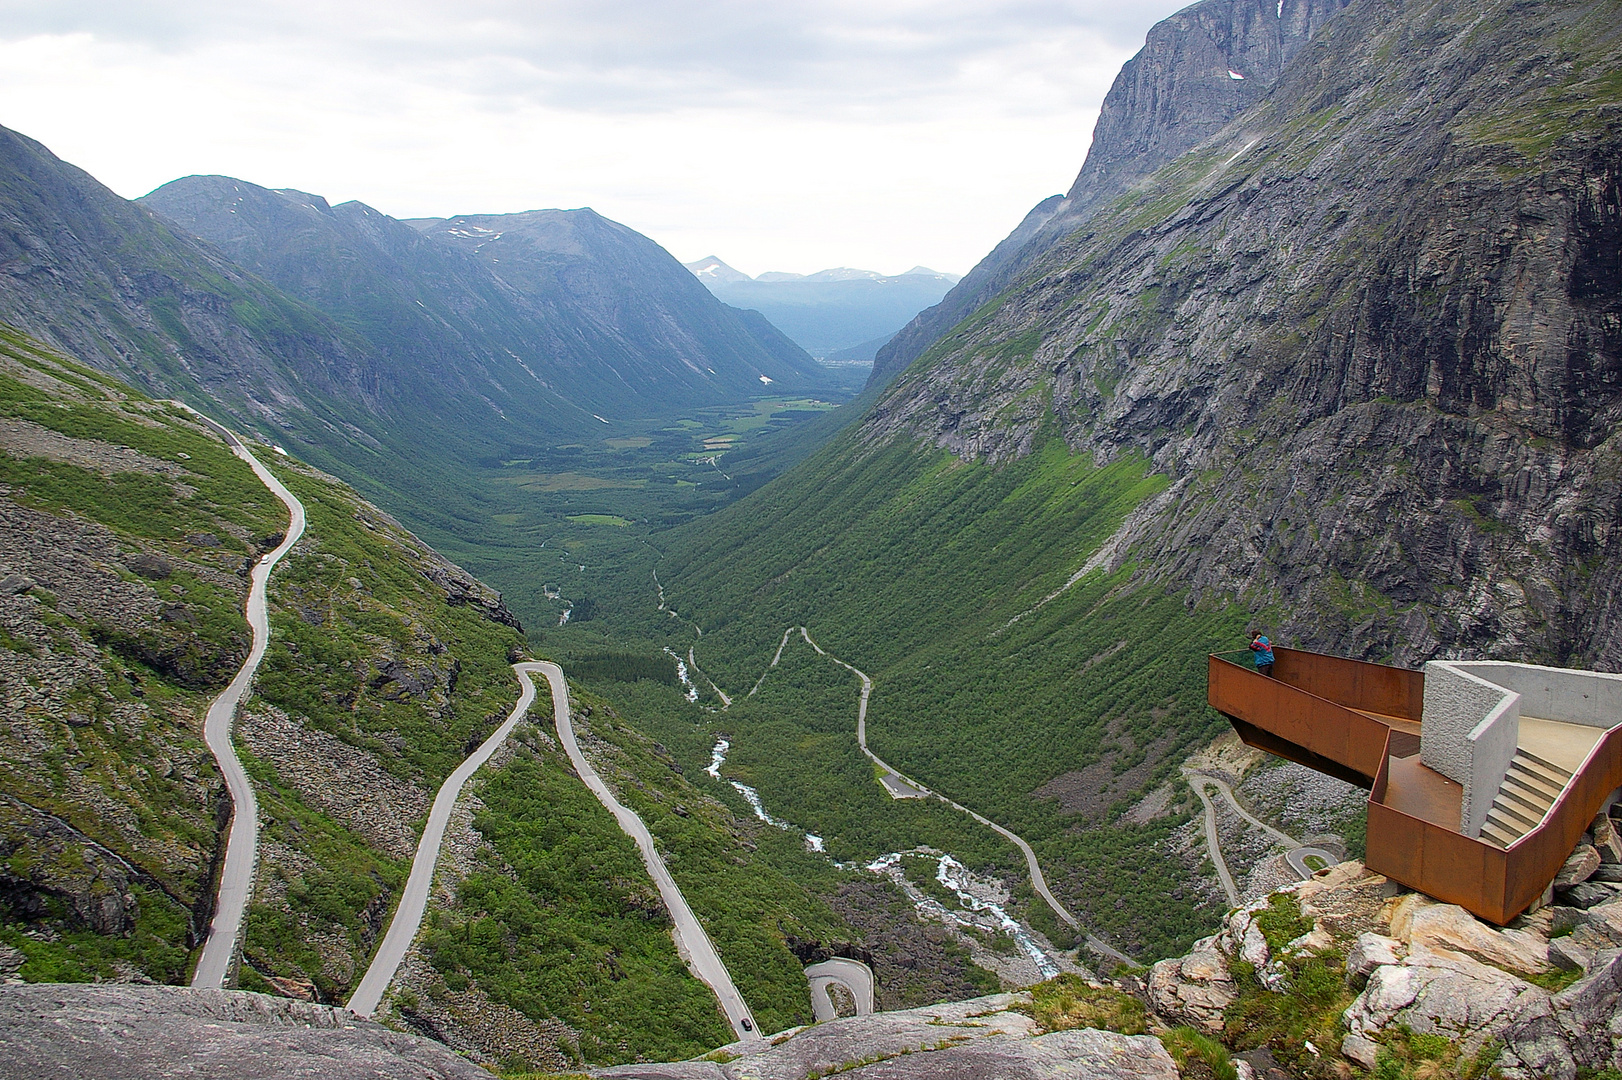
{"x":1318,"y":726}
{"x":1354,"y":684}
{"x":1262,"y":739}
{"x":1451,"y":867}
{"x":1307,"y":713}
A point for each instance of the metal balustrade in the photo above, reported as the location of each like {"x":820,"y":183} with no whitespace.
{"x":1360,"y":722}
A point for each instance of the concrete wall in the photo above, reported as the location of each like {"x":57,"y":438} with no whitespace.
{"x":1576,"y":697}
{"x":1468,"y":733}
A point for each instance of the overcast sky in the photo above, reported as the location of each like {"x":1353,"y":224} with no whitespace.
{"x":779,"y":135}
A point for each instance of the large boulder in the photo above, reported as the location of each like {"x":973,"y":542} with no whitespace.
{"x":1606,"y":840}
{"x":1448,"y":927}
{"x":1588,"y":894}
{"x":1445,"y":993}
{"x":1580,"y":866}
{"x":1370,"y":952}
{"x":1578,"y":1028}
{"x":1598,"y":928}
{"x":982,"y":1039}
{"x":1193,"y":989}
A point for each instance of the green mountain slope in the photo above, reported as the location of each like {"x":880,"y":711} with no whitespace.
{"x":665,"y":340}
{"x":1301,"y":377}
{"x":124,"y":542}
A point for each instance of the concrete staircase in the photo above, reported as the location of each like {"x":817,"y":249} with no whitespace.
{"x":1530,"y":787}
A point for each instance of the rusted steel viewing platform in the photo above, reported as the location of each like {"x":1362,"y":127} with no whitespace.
{"x":1482,"y":775}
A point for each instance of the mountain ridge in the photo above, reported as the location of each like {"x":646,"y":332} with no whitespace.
{"x":1173,"y":94}
{"x":449,"y":296}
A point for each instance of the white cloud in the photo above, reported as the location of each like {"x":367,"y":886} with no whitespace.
{"x":777,"y":135}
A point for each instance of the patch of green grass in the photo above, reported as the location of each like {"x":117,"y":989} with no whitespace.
{"x":751,"y":902}
{"x":1307,"y":1008}
{"x":562,"y":921}
{"x":1281,"y":922}
{"x":1068,"y":1002}
{"x":1408,"y":1055}
{"x":930,"y":574}
{"x":599,"y":519}
{"x":155,"y":946}
{"x":1198,"y":1056}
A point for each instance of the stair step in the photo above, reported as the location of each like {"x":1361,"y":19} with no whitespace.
{"x":1553,"y":783}
{"x":1509,"y":813}
{"x":1533,"y":784}
{"x":1509,"y":828}
{"x":1506,"y":795}
{"x":1563,"y":774}
{"x":1494,"y":833}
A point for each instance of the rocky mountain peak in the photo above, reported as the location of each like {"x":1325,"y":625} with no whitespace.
{"x":711,"y":268}
{"x":1197,"y":70}
{"x":1339,"y":275}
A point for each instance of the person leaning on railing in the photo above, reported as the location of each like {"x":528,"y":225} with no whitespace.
{"x":1263,"y":651}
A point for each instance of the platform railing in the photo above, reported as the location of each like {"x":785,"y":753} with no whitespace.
{"x":1282,"y":715}
{"x":1357,"y":684}
{"x":1325,"y":729}
{"x":1535,"y":858}
{"x":1434,"y":859}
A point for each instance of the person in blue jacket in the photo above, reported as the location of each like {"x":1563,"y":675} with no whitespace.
{"x":1264,"y":653}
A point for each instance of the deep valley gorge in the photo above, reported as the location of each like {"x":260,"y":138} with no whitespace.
{"x":867,"y":726}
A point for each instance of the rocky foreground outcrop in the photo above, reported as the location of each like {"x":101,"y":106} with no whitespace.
{"x":979,"y":1039}
{"x":1428,"y":968}
{"x":139,"y":1032}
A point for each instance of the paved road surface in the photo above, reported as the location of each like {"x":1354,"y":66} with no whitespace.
{"x":853,"y":975}
{"x":1296,"y":855}
{"x":902,"y":787}
{"x":414,"y":900}
{"x":1213,"y":846}
{"x":241,"y":849}
{"x":1298,"y":859}
{"x":692,"y":942}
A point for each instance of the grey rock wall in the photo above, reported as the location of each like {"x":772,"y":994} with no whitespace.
{"x":1321,"y":327}
{"x":1175,"y":93}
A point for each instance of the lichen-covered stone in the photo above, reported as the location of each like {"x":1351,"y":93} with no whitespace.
{"x":1193,"y":989}
{"x":1578,"y":867}
{"x":1443,"y":993}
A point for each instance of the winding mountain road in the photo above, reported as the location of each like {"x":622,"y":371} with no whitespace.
{"x":853,"y":975}
{"x":242,"y":846}
{"x":1213,"y":845}
{"x":1296,"y":854}
{"x":901,"y":787}
{"x":692,"y":943}
{"x":414,"y":899}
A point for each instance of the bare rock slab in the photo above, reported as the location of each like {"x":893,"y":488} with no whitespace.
{"x":147,"y":1032}
{"x":980,"y":1039}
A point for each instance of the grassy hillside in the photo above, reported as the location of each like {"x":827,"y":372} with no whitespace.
{"x":123,"y":555}
{"x":124,"y":542}
{"x":123,"y":531}
{"x":934,"y":575}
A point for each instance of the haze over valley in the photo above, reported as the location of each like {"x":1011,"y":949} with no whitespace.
{"x":571,"y":659}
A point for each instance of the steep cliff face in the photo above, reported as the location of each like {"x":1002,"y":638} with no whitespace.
{"x":1196,"y":71}
{"x":1372,"y":331}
